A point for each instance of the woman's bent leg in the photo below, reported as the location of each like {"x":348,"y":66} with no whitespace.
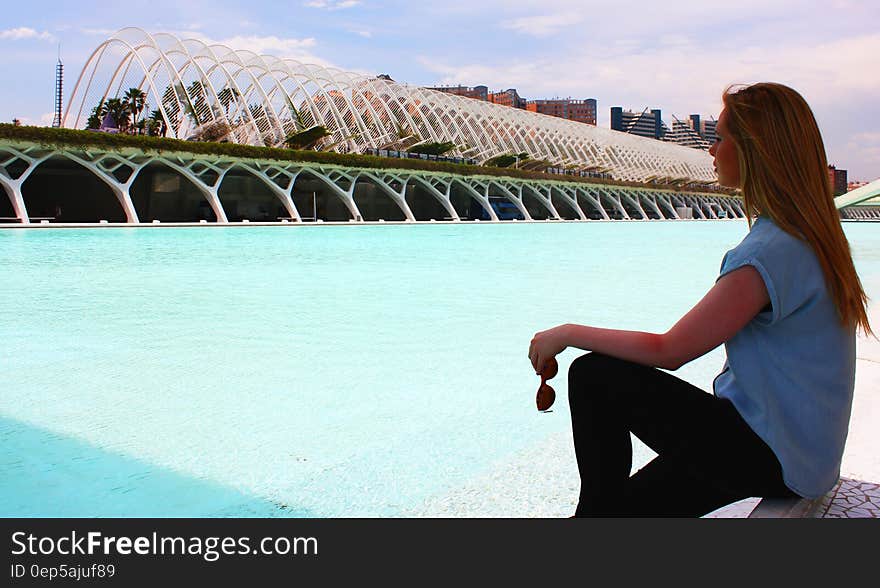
{"x":707,"y":456}
{"x":602,"y":443}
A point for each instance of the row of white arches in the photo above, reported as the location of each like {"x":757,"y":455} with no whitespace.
{"x":261,"y":100}
{"x":861,"y":213}
{"x":528,"y":199}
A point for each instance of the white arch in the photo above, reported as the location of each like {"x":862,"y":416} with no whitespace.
{"x":861,"y":194}
{"x":359,"y":112}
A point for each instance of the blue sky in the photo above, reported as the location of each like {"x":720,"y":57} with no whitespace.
{"x":674,"y":55}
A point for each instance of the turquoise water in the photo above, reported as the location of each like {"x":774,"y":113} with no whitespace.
{"x":310,"y":371}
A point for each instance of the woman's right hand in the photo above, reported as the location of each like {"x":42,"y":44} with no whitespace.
{"x":547,"y":345}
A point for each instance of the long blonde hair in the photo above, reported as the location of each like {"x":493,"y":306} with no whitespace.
{"x":784,"y":175}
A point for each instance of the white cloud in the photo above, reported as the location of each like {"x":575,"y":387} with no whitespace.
{"x":22,"y":33}
{"x":673,"y":40}
{"x":679,"y":78}
{"x":865,"y":150}
{"x":98,"y":32}
{"x":332,"y":4}
{"x":270,"y":45}
{"x":285,"y":48}
{"x":868,"y":137}
{"x":44,"y":120}
{"x":542,"y":25}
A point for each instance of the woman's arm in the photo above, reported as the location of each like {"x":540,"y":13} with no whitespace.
{"x":731,"y":303}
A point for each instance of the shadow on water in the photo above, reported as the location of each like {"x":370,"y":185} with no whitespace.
{"x":45,"y":474}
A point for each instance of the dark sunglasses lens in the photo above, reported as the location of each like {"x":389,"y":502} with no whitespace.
{"x":545,"y":398}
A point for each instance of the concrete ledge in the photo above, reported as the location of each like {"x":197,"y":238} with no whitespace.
{"x":849,"y":499}
{"x":786,"y":508}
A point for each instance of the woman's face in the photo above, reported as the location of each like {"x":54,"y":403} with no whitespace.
{"x":725,"y":154}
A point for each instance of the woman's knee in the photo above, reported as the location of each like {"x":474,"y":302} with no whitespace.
{"x":594,"y":368}
{"x":589,"y":376}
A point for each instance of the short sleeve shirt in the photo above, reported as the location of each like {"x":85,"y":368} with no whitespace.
{"x":790,"y":371}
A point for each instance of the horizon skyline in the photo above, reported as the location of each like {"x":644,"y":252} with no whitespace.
{"x":521,"y":45}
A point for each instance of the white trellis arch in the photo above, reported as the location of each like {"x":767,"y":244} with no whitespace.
{"x":261,"y":100}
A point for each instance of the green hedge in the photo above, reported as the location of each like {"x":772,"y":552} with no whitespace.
{"x":67,"y":138}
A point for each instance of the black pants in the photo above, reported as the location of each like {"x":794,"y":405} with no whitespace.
{"x":707,"y":455}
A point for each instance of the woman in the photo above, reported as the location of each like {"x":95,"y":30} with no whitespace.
{"x":786,"y":306}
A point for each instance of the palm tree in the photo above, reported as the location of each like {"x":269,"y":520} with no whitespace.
{"x":308,"y":138}
{"x":403,"y":137}
{"x":226,"y":96}
{"x":135,"y":101}
{"x":98,"y":112}
{"x":118,"y":111}
{"x":260,"y":116}
{"x":197,"y":96}
{"x":171,"y":105}
{"x":324,"y":146}
{"x":156,"y":124}
{"x":297,"y":116}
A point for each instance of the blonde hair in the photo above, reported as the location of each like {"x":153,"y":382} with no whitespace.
{"x":784,"y":175}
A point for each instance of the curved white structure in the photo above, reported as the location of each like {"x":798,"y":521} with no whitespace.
{"x":358,"y":193}
{"x":860,"y":204}
{"x":859,"y":195}
{"x":261,"y":100}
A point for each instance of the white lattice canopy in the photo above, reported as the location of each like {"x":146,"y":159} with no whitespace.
{"x":262,"y":100}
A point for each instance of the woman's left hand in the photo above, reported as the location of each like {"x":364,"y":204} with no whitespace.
{"x":547,"y":344}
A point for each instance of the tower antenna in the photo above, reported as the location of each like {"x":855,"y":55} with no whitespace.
{"x":59,"y":85}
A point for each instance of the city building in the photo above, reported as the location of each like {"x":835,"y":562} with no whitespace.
{"x":583,"y":111}
{"x":683,"y":132}
{"x":837,"y":177}
{"x":707,"y":130}
{"x":476,"y":92}
{"x":704,"y":128}
{"x":508,"y":97}
{"x":645,"y":123}
{"x":693,"y":122}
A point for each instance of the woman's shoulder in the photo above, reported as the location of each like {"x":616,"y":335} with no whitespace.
{"x":766,"y":238}
{"x":774,"y":252}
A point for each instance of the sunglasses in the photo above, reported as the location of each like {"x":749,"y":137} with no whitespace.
{"x":546,"y":394}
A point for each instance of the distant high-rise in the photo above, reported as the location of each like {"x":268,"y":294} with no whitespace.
{"x":693,"y":122}
{"x":684,"y":133}
{"x":707,"y":129}
{"x":645,"y":123}
{"x":577,"y":110}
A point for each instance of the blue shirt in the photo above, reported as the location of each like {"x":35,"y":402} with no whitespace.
{"x":790,"y":371}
